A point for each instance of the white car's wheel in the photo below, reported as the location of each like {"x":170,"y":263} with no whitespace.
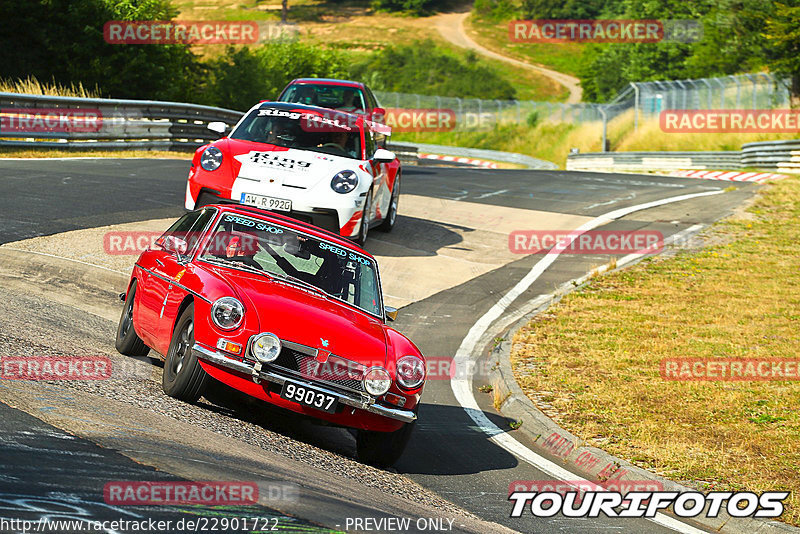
{"x":391,"y":217}
{"x":363,"y":231}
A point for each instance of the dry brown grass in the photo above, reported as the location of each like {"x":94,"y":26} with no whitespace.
{"x":562,"y":57}
{"x":650,"y":137}
{"x":32,"y":86}
{"x":598,"y":353}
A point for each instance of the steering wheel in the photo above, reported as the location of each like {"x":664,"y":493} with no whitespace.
{"x":334,"y":145}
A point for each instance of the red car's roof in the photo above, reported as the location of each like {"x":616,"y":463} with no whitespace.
{"x":326,"y":81}
{"x":294,"y":223}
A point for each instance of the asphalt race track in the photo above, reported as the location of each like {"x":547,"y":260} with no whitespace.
{"x":448,"y":455}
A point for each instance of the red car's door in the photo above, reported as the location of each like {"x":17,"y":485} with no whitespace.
{"x":164,"y":290}
{"x":149,"y":293}
{"x":167,"y":263}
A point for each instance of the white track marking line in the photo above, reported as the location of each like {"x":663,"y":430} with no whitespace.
{"x":461,"y":383}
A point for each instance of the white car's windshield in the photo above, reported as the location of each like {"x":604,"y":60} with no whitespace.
{"x":258,"y":245}
{"x":327,"y":134}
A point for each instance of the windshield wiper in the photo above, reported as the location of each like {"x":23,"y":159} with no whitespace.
{"x":274,"y":276}
{"x":299,"y":281}
{"x":238,"y":265}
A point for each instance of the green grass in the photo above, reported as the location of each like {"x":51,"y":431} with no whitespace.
{"x":494,"y":36}
{"x":598,"y":353}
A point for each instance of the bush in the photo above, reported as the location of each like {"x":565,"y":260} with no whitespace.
{"x":243,"y":76}
{"x":423,"y":68}
{"x":495,"y":10}
{"x":413,"y":7}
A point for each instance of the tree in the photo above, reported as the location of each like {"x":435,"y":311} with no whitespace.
{"x":782,"y":40}
{"x":243,"y":76}
{"x":62,"y":41}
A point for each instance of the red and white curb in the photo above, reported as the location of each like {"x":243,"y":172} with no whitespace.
{"x":731,"y":176}
{"x":456,"y":159}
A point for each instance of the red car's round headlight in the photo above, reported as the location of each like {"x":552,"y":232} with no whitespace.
{"x":227,"y":313}
{"x":377,"y":381}
{"x":410,"y":372}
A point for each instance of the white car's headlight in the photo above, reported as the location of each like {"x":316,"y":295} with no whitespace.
{"x":211,"y":158}
{"x":227,"y":313}
{"x":377,"y":381}
{"x":344,"y":182}
{"x":410,"y":372}
{"x":266,"y":347}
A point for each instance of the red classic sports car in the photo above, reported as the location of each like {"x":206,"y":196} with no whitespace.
{"x":280,"y":310}
{"x":316,"y":165}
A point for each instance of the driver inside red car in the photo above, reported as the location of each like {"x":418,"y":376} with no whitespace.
{"x":329,"y":275}
{"x":242,"y":247}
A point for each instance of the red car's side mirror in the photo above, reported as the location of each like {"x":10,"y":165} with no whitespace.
{"x":174,"y":244}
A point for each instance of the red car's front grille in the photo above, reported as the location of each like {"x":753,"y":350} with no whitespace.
{"x":337,"y":372}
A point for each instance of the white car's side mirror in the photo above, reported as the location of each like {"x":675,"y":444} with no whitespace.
{"x":218,"y":127}
{"x":384,"y":156}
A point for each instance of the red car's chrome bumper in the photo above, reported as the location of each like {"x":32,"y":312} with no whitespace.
{"x":364,"y":403}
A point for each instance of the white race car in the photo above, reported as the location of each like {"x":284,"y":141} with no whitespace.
{"x":310,"y":163}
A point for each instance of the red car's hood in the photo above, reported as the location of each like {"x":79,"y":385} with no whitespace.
{"x":303,"y":316}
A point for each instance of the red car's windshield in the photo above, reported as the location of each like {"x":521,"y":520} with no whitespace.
{"x":255,"y":244}
{"x":350,"y":99}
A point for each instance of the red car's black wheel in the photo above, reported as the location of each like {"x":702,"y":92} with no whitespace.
{"x":128,"y":342}
{"x":383,"y":449}
{"x":204,"y":199}
{"x":183,"y":378}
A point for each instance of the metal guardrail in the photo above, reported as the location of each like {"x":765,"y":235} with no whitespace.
{"x":155,"y":125}
{"x":119,"y":124}
{"x":654,"y":160}
{"x":407,"y":154}
{"x":479,"y":153}
{"x":783,"y":156}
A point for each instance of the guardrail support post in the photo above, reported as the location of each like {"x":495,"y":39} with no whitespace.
{"x":738,"y":91}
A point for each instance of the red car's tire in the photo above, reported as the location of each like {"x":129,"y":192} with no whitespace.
{"x":204,"y":199}
{"x":391,"y":217}
{"x":183,"y":377}
{"x":128,"y":342}
{"x":383,"y":449}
